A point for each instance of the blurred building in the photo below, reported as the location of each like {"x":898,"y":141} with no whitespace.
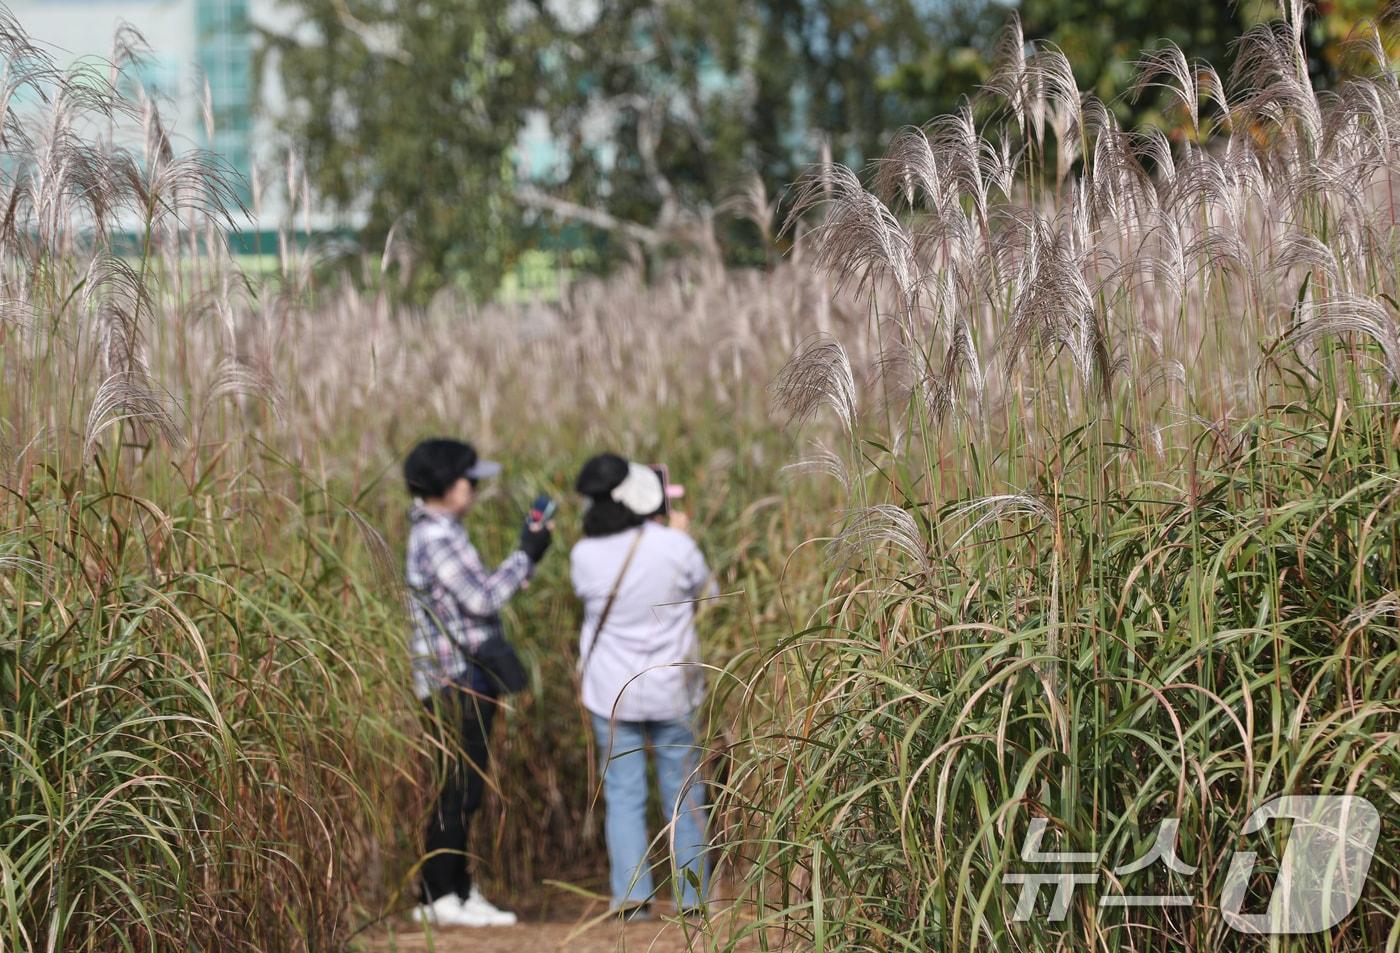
{"x":201,"y":52}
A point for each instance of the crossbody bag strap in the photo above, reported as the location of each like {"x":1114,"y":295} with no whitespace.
{"x":612,"y":597}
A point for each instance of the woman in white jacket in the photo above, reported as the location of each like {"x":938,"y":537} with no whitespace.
{"x":641,"y":682}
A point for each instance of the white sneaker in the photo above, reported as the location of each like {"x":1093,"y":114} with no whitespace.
{"x":479,"y":908}
{"x":449,"y":911}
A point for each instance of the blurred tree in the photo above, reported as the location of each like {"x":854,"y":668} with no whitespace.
{"x":664,"y":110}
{"x":410,"y":112}
{"x":1334,"y":22}
{"x":651,"y":114}
{"x":1104,"y":39}
{"x":658,"y":112}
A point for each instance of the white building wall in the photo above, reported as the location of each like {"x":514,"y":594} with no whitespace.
{"x":74,"y":30}
{"x":84,"y":29}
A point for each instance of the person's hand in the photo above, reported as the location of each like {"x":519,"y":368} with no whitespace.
{"x":535,"y":539}
{"x":680,"y":520}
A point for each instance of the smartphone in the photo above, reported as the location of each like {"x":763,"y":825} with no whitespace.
{"x":669,"y":491}
{"x":542,"y":510}
{"x":661,"y":471}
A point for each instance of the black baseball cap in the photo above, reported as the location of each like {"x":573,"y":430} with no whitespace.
{"x":434,"y":465}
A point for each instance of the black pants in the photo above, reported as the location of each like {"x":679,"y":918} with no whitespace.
{"x":464,"y":728}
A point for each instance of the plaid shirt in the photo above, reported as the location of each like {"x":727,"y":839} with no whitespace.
{"x":456,"y":602}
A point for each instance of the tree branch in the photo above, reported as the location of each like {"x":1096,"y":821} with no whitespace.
{"x":532,"y":197}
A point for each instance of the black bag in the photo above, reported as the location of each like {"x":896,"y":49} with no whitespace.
{"x":496,"y":657}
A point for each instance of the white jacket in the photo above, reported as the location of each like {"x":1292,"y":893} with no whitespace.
{"x":643,"y":667}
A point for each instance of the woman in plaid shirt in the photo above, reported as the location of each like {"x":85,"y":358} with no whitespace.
{"x":456,"y":605}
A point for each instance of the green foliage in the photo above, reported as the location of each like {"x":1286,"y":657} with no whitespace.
{"x":199,"y":726}
{"x":1121,"y":541}
{"x":415,"y":109}
{"x":659,"y":112}
{"x":208,"y":738}
{"x":1112,"y":536}
{"x":187,"y":733}
{"x":1121,"y":656}
{"x":1102,"y":41}
{"x":772,"y":80}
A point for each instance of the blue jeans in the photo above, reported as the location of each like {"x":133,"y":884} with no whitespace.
{"x":622,"y":753}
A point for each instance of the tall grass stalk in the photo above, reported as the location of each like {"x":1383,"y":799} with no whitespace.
{"x":1127,"y":550}
{"x":207,"y":734}
{"x":1101,"y":530}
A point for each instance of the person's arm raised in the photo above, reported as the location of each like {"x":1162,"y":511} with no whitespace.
{"x":457,"y":565}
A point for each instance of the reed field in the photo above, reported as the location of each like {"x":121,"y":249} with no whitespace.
{"x":1048,"y":474}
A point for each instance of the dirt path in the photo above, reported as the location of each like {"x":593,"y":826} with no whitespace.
{"x":551,"y":923}
{"x":533,"y":937}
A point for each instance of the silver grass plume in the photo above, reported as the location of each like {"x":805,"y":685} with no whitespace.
{"x":1161,"y":374}
{"x":1271,"y":68}
{"x":946,"y":239}
{"x":1019,"y":86}
{"x":381,"y":554}
{"x":123,"y":297}
{"x":992,"y":509}
{"x":237,"y":378}
{"x":908,"y":170}
{"x":883,"y":524}
{"x":1119,"y":189}
{"x":1360,"y":618}
{"x":1054,"y":305}
{"x":1349,"y":314}
{"x":818,"y":375}
{"x":900,"y":366}
{"x":1211,"y":86}
{"x":1301,"y":250}
{"x":752,"y":204}
{"x":860,"y":238}
{"x":1363,"y":122}
{"x":1200,"y":181}
{"x":960,"y":364}
{"x":1157,"y":258}
{"x":129,"y":396}
{"x":988,"y":510}
{"x":1151,"y":144}
{"x":821,"y":460}
{"x":1220,"y":248}
{"x":36,"y":569}
{"x":998,"y":166}
{"x":24,"y":316}
{"x":962,"y":154}
{"x":1053,"y":72}
{"x":1166,"y":68}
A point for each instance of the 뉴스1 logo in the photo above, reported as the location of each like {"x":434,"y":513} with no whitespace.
{"x":1323,"y":870}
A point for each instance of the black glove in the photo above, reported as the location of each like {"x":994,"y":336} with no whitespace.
{"x":535,"y":540}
